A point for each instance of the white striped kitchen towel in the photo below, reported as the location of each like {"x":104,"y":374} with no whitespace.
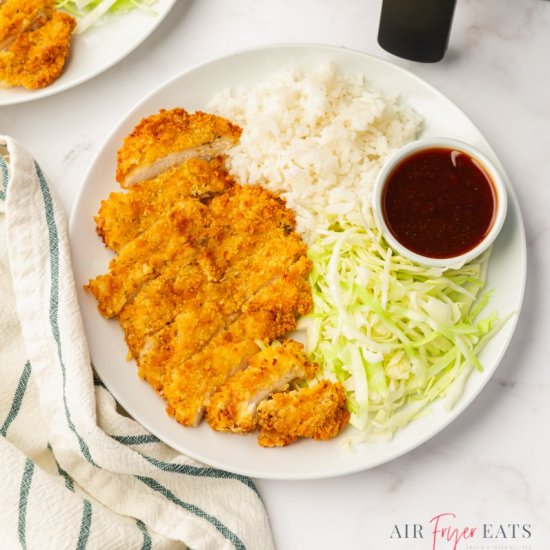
{"x":75,"y":473}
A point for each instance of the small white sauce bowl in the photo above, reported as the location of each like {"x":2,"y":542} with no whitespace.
{"x":495,"y":175}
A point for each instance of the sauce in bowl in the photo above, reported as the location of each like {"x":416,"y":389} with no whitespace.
{"x":439,"y":202}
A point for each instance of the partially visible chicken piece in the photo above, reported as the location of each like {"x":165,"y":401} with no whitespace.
{"x":124,"y":215}
{"x":233,"y":407}
{"x":36,"y":57}
{"x":19,"y":16}
{"x":270,"y":314}
{"x":164,"y":140}
{"x":318,"y":412}
{"x":180,"y":233}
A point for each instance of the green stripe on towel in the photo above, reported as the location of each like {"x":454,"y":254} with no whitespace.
{"x":227,"y":533}
{"x":200,"y":472}
{"x":4,"y":178}
{"x":69,"y":483}
{"x":146,"y":537}
{"x":136,"y":439}
{"x":23,"y":499}
{"x":17,"y":399}
{"x":54,"y":302}
{"x":85,"y":526}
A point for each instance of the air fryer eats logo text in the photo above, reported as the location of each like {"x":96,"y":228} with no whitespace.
{"x":446,"y":532}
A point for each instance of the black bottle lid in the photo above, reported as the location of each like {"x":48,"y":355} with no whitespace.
{"x":416,"y":29}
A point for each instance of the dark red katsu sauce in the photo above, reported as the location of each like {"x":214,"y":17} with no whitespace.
{"x":439,"y":203}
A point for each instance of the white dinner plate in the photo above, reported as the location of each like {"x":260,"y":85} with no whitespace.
{"x":241,"y":454}
{"x":96,"y":50}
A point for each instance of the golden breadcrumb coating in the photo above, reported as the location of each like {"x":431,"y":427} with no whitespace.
{"x":19,"y":16}
{"x":233,"y":406}
{"x":250,"y":241}
{"x":201,"y":305}
{"x":34,"y":51}
{"x":317,"y":412}
{"x":170,"y":137}
{"x":124,"y":215}
{"x":271,"y":313}
{"x":180,"y":232}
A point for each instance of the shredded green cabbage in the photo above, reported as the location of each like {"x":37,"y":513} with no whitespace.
{"x":89,"y":12}
{"x":397,"y":335}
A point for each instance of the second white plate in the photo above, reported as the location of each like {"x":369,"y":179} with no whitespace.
{"x":96,"y":50}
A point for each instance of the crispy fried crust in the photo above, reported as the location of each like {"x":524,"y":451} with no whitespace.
{"x":249,"y":241}
{"x":35,"y":51}
{"x":270,"y":314}
{"x":19,"y":16}
{"x":233,"y":406}
{"x":178,"y":233}
{"x":123,"y":216}
{"x":317,"y":412}
{"x":168,"y":138}
{"x":201,"y":305}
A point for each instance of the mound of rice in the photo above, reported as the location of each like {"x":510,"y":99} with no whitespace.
{"x":318,"y":138}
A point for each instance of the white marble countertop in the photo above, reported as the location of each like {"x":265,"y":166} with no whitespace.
{"x":490,"y":466}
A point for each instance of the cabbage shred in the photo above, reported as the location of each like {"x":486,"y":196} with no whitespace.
{"x":397,"y":335}
{"x":89,"y":12}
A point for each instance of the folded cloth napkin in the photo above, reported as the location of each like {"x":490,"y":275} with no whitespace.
{"x":75,"y":472}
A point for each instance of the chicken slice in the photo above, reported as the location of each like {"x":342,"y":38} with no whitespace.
{"x":200,"y":323}
{"x":203,"y":306}
{"x":19,"y":16}
{"x":270,"y":314}
{"x":36,"y":58}
{"x":164,"y":140}
{"x":254,"y":241}
{"x":233,"y":407}
{"x":180,"y":233}
{"x":317,"y":412}
{"x":124,"y":215}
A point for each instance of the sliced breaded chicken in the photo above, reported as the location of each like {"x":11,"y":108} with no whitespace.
{"x":35,"y":58}
{"x":180,"y":233}
{"x":202,"y":323}
{"x":270,"y":314}
{"x":317,"y":412}
{"x":232,"y":408}
{"x":164,"y":140}
{"x":19,"y":16}
{"x":204,"y":306}
{"x":254,"y":241}
{"x":124,"y":215}
{"x":159,"y":301}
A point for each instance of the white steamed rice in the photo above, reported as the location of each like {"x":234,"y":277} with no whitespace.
{"x":318,"y":138}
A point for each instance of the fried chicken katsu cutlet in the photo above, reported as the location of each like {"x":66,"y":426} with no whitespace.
{"x":35,"y":41}
{"x":167,"y":139}
{"x":233,"y":406}
{"x":317,"y":412}
{"x":272,"y":313}
{"x":207,"y":274}
{"x":123,"y":216}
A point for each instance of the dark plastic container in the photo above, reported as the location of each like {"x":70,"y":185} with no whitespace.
{"x":416,"y":29}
